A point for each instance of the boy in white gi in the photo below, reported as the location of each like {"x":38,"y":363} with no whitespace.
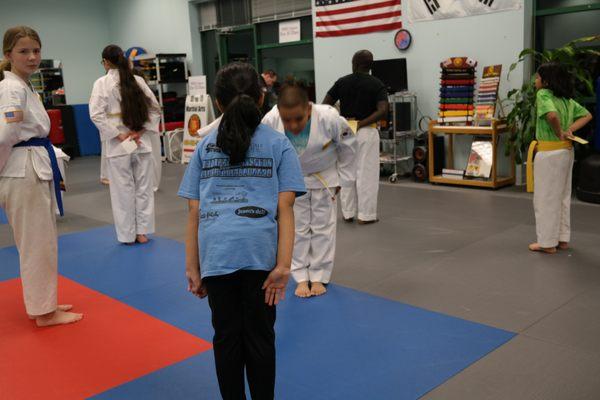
{"x":326,"y":148}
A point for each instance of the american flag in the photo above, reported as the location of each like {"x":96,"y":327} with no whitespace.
{"x":356,"y":17}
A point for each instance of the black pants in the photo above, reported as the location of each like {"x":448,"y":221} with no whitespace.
{"x":244,"y":334}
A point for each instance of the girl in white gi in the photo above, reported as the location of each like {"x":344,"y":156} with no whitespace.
{"x":326,"y":147}
{"x":29,"y":177}
{"x":126,"y":113}
{"x":558,"y":116}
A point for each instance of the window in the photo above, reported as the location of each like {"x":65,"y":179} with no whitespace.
{"x":268,"y":10}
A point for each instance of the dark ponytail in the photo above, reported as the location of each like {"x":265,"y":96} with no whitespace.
{"x":238,"y":91}
{"x":135,"y":105}
{"x":556,"y":78}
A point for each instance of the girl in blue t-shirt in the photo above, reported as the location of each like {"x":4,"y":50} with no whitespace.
{"x":241,"y":185}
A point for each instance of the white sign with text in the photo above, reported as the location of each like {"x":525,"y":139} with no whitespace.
{"x":289,"y":31}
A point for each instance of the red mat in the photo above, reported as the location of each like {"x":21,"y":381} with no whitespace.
{"x":114,"y":344}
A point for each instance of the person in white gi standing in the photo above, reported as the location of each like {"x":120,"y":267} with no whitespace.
{"x":326,"y":148}
{"x":364,"y":99}
{"x":30,"y":178}
{"x":126,"y":113}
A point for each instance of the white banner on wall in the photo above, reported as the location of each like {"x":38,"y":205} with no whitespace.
{"x":429,"y":10}
{"x":198,"y":114}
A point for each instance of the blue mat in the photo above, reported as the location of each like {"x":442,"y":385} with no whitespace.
{"x":3,"y":219}
{"x":344,"y":345}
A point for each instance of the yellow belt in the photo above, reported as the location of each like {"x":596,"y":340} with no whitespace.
{"x":542,"y":146}
{"x":373,"y":125}
{"x":325,"y":184}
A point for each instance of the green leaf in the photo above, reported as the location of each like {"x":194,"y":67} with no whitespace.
{"x":586,"y":39}
{"x":527,"y":52}
{"x":547,"y":56}
{"x":589,"y":51}
{"x":512,"y":92}
{"x":570,"y":51}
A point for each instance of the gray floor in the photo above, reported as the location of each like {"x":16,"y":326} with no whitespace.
{"x":462,"y":252}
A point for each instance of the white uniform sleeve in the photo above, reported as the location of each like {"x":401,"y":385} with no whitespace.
{"x":346,"y":144}
{"x":13,"y":103}
{"x":99,"y":111}
{"x":271,"y":119}
{"x":152,"y":126}
{"x":202,"y":133}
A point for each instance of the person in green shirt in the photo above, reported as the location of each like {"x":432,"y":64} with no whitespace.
{"x":558,"y":116}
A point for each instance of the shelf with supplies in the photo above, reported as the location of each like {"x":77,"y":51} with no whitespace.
{"x":397,"y":133}
{"x":164,"y":69}
{"x":48,"y":82}
{"x":480,"y":163}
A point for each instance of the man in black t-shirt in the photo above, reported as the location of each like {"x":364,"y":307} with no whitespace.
{"x":363,"y":98}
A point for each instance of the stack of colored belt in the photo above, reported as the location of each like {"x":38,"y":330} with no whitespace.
{"x":488,"y":92}
{"x":457,"y":90}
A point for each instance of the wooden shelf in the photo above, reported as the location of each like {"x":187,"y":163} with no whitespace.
{"x":504,"y":181}
{"x":467,"y":130}
{"x":497,"y":128}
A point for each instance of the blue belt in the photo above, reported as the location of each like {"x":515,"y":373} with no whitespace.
{"x":56,"y":175}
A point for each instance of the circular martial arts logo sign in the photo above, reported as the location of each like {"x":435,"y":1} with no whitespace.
{"x":402,"y":39}
{"x":194,"y":125}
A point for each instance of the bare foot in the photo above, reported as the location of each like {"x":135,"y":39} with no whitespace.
{"x":563,"y":245}
{"x":537,"y":247}
{"x":104,"y":181}
{"x":58,"y":318}
{"x":317,"y":288}
{"x":141,"y":239}
{"x":302,"y":290}
{"x":60,"y":307}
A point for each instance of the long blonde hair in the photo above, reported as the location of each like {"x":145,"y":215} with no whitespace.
{"x":11,"y":37}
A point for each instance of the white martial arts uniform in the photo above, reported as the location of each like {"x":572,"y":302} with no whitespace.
{"x":552,"y":196}
{"x":360,"y":198}
{"x":327,"y":162}
{"x":131,"y":175}
{"x":27,"y":193}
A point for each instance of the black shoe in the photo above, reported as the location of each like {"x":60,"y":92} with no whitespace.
{"x":349,"y":220}
{"x":361,"y":222}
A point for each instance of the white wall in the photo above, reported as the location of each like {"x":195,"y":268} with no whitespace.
{"x":73,"y":31}
{"x":159,"y":26}
{"x":490,"y":39}
{"x":76,"y":31}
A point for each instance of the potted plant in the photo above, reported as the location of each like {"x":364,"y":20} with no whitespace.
{"x":577,"y":59}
